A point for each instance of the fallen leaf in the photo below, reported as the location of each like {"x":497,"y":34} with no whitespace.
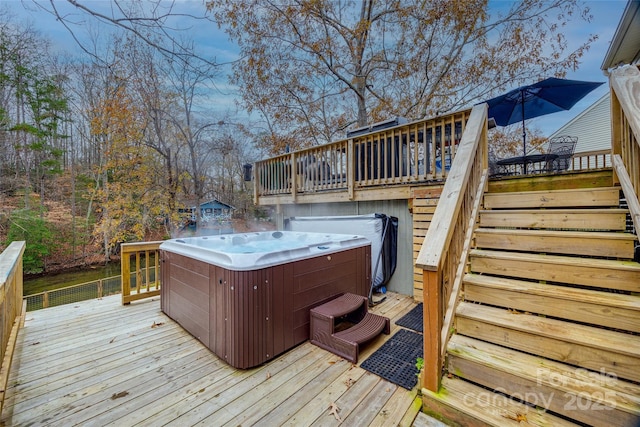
{"x":349,"y":382}
{"x":35,"y":343}
{"x":112,"y":340}
{"x":334,"y":411}
{"x":519,"y":417}
{"x":155,"y":325}
{"x":115,"y":396}
{"x":268,"y":375}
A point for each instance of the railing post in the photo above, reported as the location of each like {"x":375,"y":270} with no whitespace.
{"x":616,"y":130}
{"x":125,"y":271}
{"x":432,"y":316}
{"x":138,"y":273}
{"x":100,"y":290}
{"x":147,"y":270}
{"x":256,"y":182}
{"x":294,"y":177}
{"x":351,"y":168}
{"x":45,"y":299}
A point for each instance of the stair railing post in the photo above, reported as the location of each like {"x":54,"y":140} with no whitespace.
{"x":433,"y":319}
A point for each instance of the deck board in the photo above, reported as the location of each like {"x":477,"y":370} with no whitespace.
{"x":100,"y":363}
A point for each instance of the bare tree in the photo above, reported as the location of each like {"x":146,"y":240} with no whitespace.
{"x":160,"y":24}
{"x":316,"y":67}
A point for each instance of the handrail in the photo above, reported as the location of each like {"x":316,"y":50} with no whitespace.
{"x":11,"y":307}
{"x":419,"y":151}
{"x":439,"y":256}
{"x":452,"y":302}
{"x":625,"y":130}
{"x":146,"y":286}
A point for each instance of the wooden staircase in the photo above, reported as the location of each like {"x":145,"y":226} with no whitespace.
{"x":547,"y":330}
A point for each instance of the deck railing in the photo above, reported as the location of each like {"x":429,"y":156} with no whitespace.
{"x":140,"y":278}
{"x":74,"y":293}
{"x":409,"y":153}
{"x":11,"y":307}
{"x":590,"y":160}
{"x":448,"y":240}
{"x":625,"y":130}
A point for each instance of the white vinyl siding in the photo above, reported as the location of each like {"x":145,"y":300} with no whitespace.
{"x":592,"y":127}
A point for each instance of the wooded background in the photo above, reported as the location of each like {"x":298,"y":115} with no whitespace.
{"x":104,"y":145}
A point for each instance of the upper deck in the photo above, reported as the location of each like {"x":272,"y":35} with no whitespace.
{"x":359,"y":167}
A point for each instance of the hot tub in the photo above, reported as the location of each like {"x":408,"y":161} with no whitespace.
{"x":247,"y":296}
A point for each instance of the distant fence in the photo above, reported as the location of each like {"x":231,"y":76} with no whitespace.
{"x":80,"y":292}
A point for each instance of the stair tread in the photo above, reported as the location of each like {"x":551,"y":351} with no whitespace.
{"x":558,"y":259}
{"x":588,"y":336}
{"x":601,"y":244}
{"x":556,"y":218}
{"x":369,"y":327}
{"x":629,"y":302}
{"x":480,"y":404}
{"x":596,"y":235}
{"x":556,"y":210}
{"x":560,"y":191}
{"x":341,"y":306}
{"x":623,"y":394}
{"x":603,"y":196}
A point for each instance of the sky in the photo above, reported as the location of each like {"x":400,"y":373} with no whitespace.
{"x":213,"y":42}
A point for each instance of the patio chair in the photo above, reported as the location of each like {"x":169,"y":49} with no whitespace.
{"x":563,"y":146}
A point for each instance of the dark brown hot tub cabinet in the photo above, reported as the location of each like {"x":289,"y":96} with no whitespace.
{"x":249,"y":317}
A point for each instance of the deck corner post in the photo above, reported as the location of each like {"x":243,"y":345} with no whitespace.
{"x":433,"y":320}
{"x":125,"y":272}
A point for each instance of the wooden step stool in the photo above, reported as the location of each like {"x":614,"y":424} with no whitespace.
{"x":346,"y":308}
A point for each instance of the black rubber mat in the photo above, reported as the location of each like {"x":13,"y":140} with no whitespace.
{"x":395,"y":361}
{"x":413,"y":319}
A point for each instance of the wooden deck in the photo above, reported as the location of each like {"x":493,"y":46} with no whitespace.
{"x":101,"y":363}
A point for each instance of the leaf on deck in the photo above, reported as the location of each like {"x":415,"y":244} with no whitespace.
{"x":334,"y":411}
{"x":115,"y":396}
{"x":155,"y":325}
{"x":518,"y":417}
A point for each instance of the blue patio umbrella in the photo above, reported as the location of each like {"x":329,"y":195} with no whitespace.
{"x":545,"y":97}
